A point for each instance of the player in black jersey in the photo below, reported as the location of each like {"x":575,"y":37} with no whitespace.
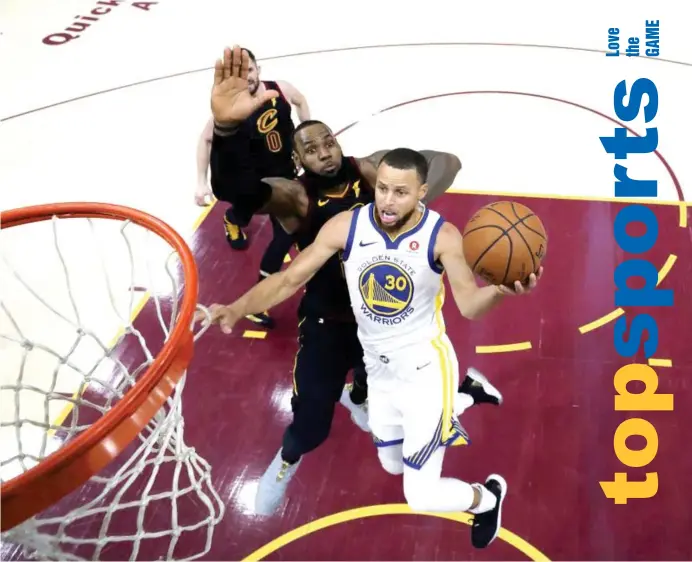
{"x":329,"y":346}
{"x":267,"y":132}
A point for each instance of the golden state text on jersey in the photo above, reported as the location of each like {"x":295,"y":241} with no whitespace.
{"x":395,"y":284}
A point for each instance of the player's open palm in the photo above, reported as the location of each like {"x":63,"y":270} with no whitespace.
{"x":231,"y":102}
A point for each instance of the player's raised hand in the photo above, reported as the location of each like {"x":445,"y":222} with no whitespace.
{"x":519,"y":288}
{"x":222,"y":315}
{"x":231,"y":101}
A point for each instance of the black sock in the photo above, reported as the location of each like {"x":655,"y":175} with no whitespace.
{"x":230,"y":216}
{"x":359,"y":392}
{"x":278,"y":247}
{"x":465,"y":385}
{"x":288,"y":457}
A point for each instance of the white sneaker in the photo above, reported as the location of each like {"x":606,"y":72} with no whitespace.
{"x":359,"y":412}
{"x":273,"y":484}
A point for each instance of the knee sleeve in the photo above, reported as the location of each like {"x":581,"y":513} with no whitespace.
{"x":425,"y":490}
{"x":360,"y":376}
{"x":391,"y":459}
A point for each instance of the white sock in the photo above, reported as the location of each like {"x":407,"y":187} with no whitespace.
{"x":488,"y":500}
{"x":425,"y":490}
{"x":462,"y":402}
{"x":391,"y":459}
{"x":445,"y":494}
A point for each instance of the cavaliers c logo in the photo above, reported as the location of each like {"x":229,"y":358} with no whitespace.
{"x":266,"y":124}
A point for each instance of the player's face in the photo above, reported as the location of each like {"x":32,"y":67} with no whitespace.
{"x":397,"y":194}
{"x":253,"y":80}
{"x":318,"y":150}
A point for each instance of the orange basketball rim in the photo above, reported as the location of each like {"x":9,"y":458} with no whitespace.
{"x":73,"y":464}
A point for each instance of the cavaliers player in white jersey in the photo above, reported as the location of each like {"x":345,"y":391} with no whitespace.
{"x":395,"y":252}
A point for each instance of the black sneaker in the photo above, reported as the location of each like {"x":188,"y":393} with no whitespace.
{"x":479,"y":388}
{"x":486,"y":526}
{"x":235,"y":236}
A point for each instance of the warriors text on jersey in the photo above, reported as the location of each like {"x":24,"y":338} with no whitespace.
{"x":270,"y":129}
{"x":395,"y":284}
{"x":326,"y":294}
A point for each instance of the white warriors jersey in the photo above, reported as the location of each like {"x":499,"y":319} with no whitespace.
{"x":396,"y":287}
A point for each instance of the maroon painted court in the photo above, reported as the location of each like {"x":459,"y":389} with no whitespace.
{"x":552,"y":439}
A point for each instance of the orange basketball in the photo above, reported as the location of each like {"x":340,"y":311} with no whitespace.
{"x":504,"y":242}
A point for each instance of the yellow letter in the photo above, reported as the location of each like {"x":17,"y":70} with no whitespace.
{"x":642,"y":457}
{"x":647,"y":399}
{"x":620,"y":489}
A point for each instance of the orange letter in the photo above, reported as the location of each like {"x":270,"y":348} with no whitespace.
{"x":642,"y":457}
{"x":620,"y":489}
{"x":644,"y":401}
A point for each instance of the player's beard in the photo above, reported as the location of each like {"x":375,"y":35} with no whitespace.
{"x":326,"y":183}
{"x":253,"y":87}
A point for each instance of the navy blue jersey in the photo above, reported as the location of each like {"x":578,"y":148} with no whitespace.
{"x":270,"y":130}
{"x":326,"y":294}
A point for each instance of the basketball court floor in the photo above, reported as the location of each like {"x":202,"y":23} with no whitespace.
{"x":525,"y":122}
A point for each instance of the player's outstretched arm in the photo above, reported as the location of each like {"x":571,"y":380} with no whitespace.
{"x":279,"y":287}
{"x":231,"y":101}
{"x":203,"y":157}
{"x":288,"y":203}
{"x":473,"y":301}
{"x":443,"y":168}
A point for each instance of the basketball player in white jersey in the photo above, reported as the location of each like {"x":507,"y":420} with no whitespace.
{"x":394,"y":254}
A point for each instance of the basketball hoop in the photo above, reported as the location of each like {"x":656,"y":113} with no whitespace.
{"x":71,"y":489}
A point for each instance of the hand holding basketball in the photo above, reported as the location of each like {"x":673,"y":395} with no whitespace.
{"x":505,"y":243}
{"x":519,"y":288}
{"x":231,"y":101}
{"x":225,"y":316}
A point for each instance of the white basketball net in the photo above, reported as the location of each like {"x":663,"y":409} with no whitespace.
{"x":67,"y":286}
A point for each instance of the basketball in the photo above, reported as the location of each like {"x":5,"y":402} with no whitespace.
{"x":504,"y":242}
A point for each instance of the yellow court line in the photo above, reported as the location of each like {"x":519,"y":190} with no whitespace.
{"x":254,"y":334}
{"x":603,"y":320}
{"x":681,"y":204}
{"x":665,"y":270}
{"x":62,"y":416}
{"x":510,"y":538}
{"x":683,"y":214}
{"x":203,"y":215}
{"x":653,"y":362}
{"x":522,"y":346}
